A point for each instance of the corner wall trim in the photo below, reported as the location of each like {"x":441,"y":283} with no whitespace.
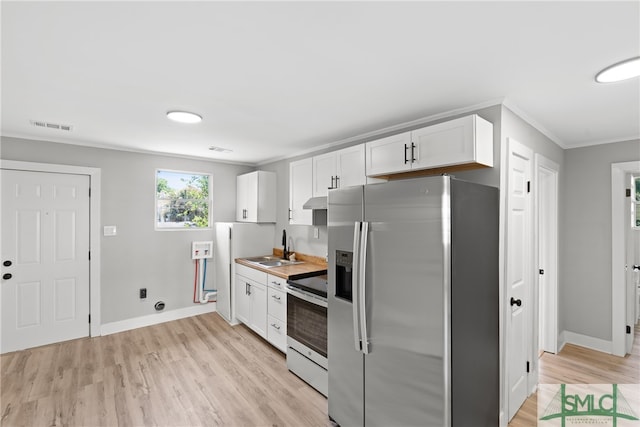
{"x":154,"y":319}
{"x":598,"y":344}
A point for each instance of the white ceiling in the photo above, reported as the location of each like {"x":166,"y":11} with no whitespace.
{"x":272,"y":79}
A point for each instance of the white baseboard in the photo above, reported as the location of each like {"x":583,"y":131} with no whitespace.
{"x":568,"y":337}
{"x":154,"y":319}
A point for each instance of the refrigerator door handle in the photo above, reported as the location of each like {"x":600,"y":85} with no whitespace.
{"x":362,"y":287}
{"x":356,"y":286}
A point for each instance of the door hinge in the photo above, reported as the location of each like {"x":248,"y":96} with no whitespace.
{"x":89,"y":255}
{"x":89,"y":318}
{"x":628,"y":329}
{"x":89,"y":191}
{"x":541,"y":271}
{"x":527,"y":366}
{"x":627,"y":192}
{"x":229,"y":233}
{"x":528,"y":186}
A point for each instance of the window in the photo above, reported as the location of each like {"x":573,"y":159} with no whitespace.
{"x":182,"y":200}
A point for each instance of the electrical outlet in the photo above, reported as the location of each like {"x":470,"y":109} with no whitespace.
{"x":143,"y":293}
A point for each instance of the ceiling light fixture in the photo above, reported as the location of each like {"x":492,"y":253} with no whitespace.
{"x":621,"y":71}
{"x":220,"y":149}
{"x":184,"y":117}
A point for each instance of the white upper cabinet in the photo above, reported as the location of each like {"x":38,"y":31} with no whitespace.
{"x":350,"y":167}
{"x":464,"y":141}
{"x":256,"y":197}
{"x":300,"y":190}
{"x":324,"y":173}
{"x":389,"y":155}
{"x":338,"y":169}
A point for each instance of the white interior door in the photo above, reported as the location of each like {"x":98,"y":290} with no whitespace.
{"x":45,"y":256}
{"x":547,"y":253}
{"x":518,"y":264}
{"x":630,"y":296}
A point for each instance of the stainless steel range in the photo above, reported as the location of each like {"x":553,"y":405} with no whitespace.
{"x":307,"y":330}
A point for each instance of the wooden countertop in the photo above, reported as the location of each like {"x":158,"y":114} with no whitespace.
{"x":296,"y":271}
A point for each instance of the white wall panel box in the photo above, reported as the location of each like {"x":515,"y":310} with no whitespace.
{"x":200,"y":250}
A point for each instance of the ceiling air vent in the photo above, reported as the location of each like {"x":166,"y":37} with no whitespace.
{"x":48,"y":125}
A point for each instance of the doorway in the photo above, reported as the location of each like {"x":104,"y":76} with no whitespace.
{"x":546,"y":232}
{"x":621,"y":317}
{"x":92,"y":175}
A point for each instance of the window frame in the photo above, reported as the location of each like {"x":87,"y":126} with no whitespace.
{"x":209,"y":201}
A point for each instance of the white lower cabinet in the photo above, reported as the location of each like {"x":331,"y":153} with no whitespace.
{"x":261,"y":304}
{"x":277,"y":312}
{"x":251,"y":299}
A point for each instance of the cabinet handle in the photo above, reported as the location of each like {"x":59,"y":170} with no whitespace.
{"x":275,"y":297}
{"x":248,"y":288}
{"x":405,"y":154}
{"x":337,"y":181}
{"x":290,"y":215}
{"x":413,"y":157}
{"x":332,"y":185}
{"x":273,"y":282}
{"x":275,"y":326}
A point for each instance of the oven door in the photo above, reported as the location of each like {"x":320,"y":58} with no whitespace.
{"x":307,"y":320}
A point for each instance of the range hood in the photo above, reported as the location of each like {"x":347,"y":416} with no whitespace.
{"x":316,"y":203}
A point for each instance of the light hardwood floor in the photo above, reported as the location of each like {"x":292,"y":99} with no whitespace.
{"x":197,"y":371}
{"x":579,"y":365}
{"x":200,"y":371}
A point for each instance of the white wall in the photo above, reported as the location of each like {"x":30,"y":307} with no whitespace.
{"x":139,"y":256}
{"x":585,"y":281}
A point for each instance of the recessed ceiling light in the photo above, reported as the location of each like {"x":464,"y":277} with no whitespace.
{"x":621,"y":71}
{"x":184,"y":117}
{"x":220,"y":149}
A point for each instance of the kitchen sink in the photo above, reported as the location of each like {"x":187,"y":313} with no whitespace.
{"x":271,"y":261}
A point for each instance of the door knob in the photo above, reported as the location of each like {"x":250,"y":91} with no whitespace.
{"x":515,"y":302}
{"x":7,"y":263}
{"x":7,"y":276}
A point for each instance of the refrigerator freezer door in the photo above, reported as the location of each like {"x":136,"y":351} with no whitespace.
{"x":406,"y":371}
{"x":346,"y":392}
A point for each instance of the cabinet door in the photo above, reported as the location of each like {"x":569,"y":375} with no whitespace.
{"x":451,"y":143}
{"x":389,"y":155}
{"x":266,"y":197}
{"x":300,"y":190}
{"x":259,"y":309}
{"x":277,"y":304}
{"x":324,"y":173}
{"x":277,"y":333}
{"x":247,"y":197}
{"x":350,"y":167}
{"x":242,"y":299}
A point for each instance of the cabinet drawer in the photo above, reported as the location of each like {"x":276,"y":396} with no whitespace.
{"x":251,"y":273}
{"x":277,"y":304}
{"x":277,"y":333}
{"x":276,"y":282}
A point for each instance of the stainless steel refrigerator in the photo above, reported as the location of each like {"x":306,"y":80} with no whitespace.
{"x":413,"y":304}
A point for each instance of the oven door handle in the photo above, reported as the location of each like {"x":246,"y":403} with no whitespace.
{"x":355,"y":305}
{"x":303,"y":296}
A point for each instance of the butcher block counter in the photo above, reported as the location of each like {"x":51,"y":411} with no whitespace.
{"x":305,"y":266}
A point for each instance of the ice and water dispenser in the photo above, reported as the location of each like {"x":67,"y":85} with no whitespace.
{"x":344,"y":267}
